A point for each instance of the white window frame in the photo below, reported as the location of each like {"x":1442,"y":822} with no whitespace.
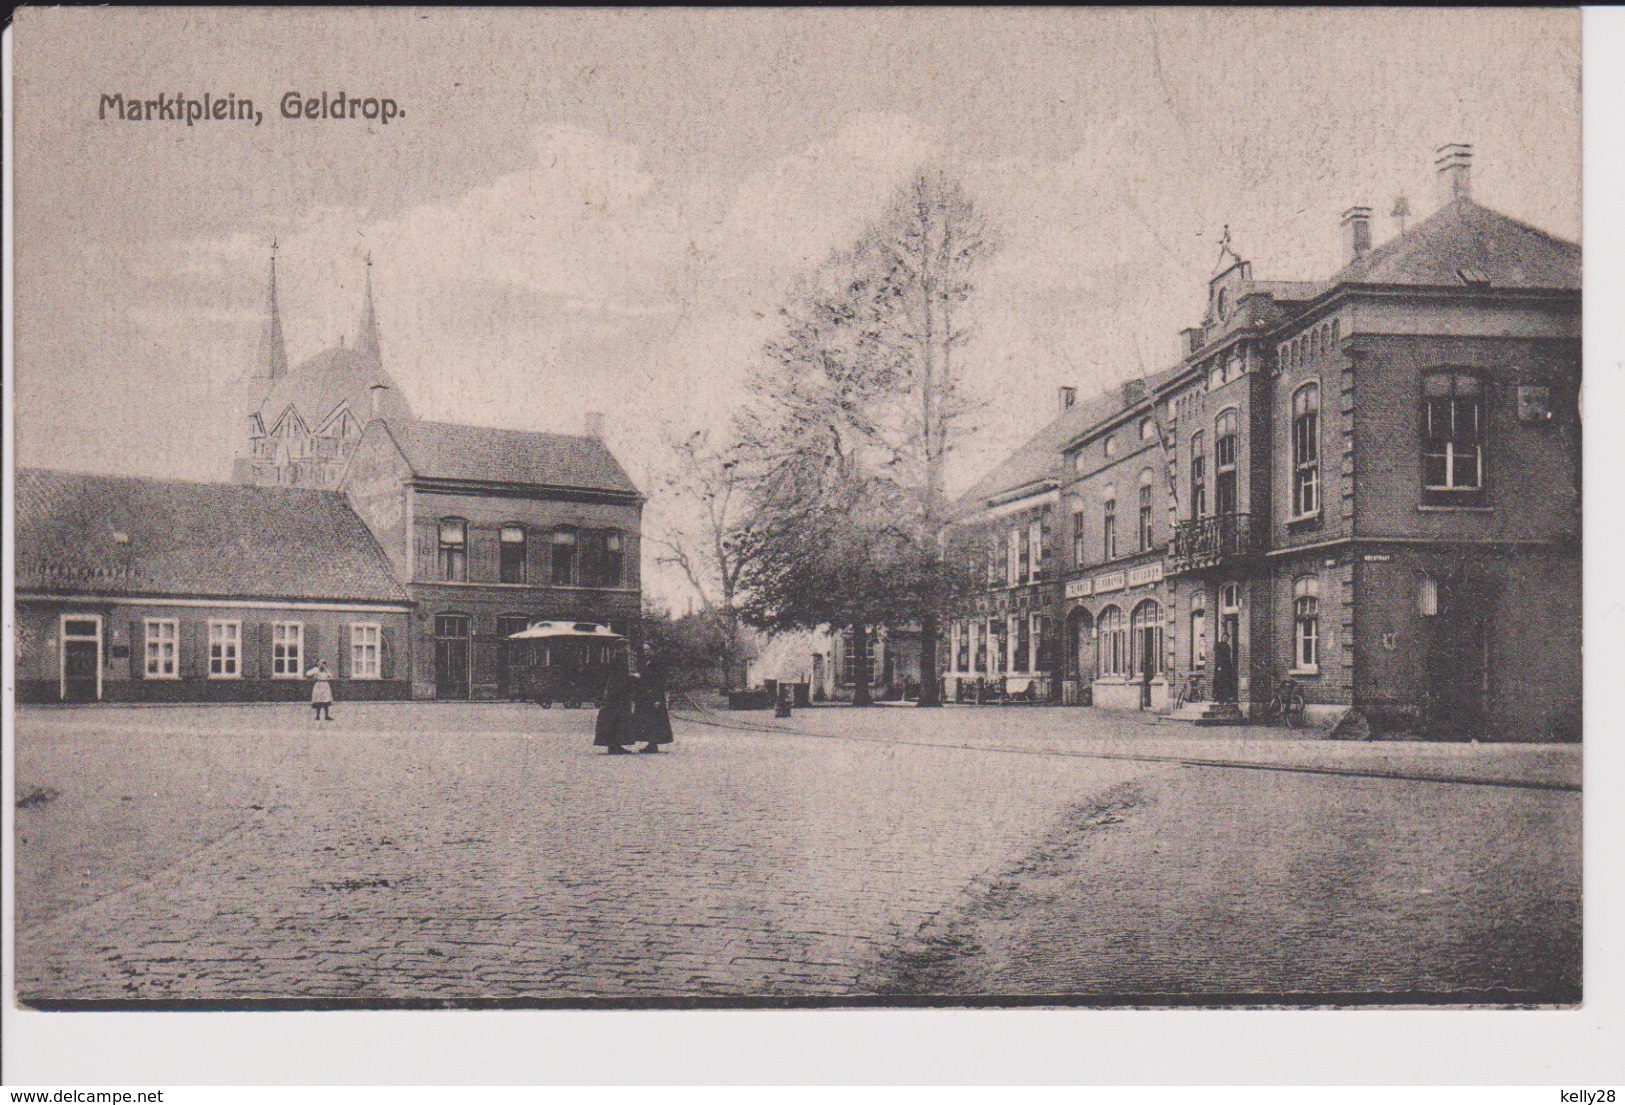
{"x":299,"y":644}
{"x":359,"y":669}
{"x":233,"y":642}
{"x":148,"y":640}
{"x":1306,"y":645}
{"x":1305,"y":490}
{"x":1035,"y":550}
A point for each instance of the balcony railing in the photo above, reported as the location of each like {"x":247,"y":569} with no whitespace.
{"x":1209,"y":542}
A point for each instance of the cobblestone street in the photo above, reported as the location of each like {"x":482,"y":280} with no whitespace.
{"x":486,"y":852}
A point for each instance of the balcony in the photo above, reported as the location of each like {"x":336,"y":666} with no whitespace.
{"x":1214,"y":542}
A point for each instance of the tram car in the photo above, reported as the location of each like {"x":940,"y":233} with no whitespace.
{"x":564,"y":662}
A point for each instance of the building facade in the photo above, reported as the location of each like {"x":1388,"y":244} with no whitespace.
{"x":160,"y":590}
{"x":1368,"y":484}
{"x":488,"y":530}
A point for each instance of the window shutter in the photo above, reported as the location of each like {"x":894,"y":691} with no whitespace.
{"x":313,"y":650}
{"x":257,"y":650}
{"x":386,"y":653}
{"x":138,"y":649}
{"x":346,"y":636}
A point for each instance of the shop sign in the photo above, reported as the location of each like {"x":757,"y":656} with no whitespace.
{"x":1080,"y":588}
{"x":1145,"y":573}
{"x":1377,"y":558}
{"x":1111,"y":581}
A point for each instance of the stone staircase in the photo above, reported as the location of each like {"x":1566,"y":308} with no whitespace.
{"x":1208,"y":713}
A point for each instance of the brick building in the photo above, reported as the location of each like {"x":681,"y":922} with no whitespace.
{"x":489,"y":530}
{"x":1370,"y":483}
{"x":159,"y":590}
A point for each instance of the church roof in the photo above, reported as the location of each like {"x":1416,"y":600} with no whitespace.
{"x":443,"y":450}
{"x":122,"y":535}
{"x":317,"y":386}
{"x":1463,"y":241}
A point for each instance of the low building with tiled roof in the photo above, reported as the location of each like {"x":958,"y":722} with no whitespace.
{"x":489,"y":530}
{"x":131,"y":588}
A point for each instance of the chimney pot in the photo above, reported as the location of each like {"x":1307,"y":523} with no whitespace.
{"x":1356,"y":233}
{"x":1067,"y":397}
{"x":1190,"y":340}
{"x":595,"y":425}
{"x":1454,"y":163}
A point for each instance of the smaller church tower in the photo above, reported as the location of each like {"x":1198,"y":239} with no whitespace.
{"x":367,"y":334}
{"x":273,"y":359}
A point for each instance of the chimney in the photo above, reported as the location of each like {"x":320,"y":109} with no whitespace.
{"x":1190,"y":340}
{"x":1454,"y":163}
{"x":1067,"y":397}
{"x":376,"y":393}
{"x":595,"y":425}
{"x":1356,"y":233}
{"x":1133,"y":392}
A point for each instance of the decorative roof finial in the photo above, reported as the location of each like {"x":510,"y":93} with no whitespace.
{"x":1226,"y":250}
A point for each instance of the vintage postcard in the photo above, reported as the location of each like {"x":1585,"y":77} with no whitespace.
{"x":684,"y":509}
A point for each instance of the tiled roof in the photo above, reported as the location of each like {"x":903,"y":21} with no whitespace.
{"x":442,"y":450}
{"x":127,"y":536}
{"x":317,"y":386}
{"x":1040,"y":457}
{"x":1464,"y":236}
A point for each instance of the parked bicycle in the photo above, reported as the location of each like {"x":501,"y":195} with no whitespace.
{"x":1286,"y":704}
{"x":1188,"y":691}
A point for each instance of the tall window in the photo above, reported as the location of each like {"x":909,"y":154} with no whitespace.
{"x":1022,"y":642}
{"x":1306,"y":624}
{"x":1024,"y":555}
{"x":1111,"y":445}
{"x":1198,"y":475}
{"x":1108,"y":526}
{"x":225,"y":650}
{"x":1306,"y":450}
{"x":1012,"y":557}
{"x":366,"y":643}
{"x":979,"y":633}
{"x":1198,"y":638}
{"x":512,"y":567}
{"x":1453,"y":439}
{"x":995,"y":558}
{"x":163,"y":639}
{"x":1111,"y":657}
{"x":564,"y":557}
{"x":1146,"y":639}
{"x":454,"y":550}
{"x":999,"y":628}
{"x":1145,"y":510}
{"x":1224,"y":461}
{"x":962,"y":646}
{"x":287,"y":650}
{"x":612,"y":564}
{"x":1041,"y":644}
{"x":850,"y":659}
{"x":1077,"y":537}
{"x":1036,"y":540}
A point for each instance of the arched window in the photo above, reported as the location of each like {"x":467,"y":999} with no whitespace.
{"x":1147,"y":428}
{"x":1314,"y":345}
{"x":1111,"y":643}
{"x":454,"y":550}
{"x":1224,"y":462}
{"x":512,"y":567}
{"x":1111,"y":445}
{"x":1306,"y":451}
{"x":1108,"y":524}
{"x":564,"y":557}
{"x":1146,"y":479}
{"x":613,"y":562}
{"x":995,"y":558}
{"x":1077,"y":532}
{"x":1198,"y":638}
{"x":1198,"y":475}
{"x":1306,"y":625}
{"x":1453,"y":439}
{"x":1336,"y":326}
{"x":1145,"y":657}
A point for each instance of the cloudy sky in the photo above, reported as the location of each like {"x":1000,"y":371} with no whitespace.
{"x":601,"y":210}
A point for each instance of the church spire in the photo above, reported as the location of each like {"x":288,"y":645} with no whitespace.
{"x":273,"y":359}
{"x":367,"y":336}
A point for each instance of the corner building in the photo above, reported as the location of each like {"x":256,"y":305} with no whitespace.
{"x":1369,"y":484}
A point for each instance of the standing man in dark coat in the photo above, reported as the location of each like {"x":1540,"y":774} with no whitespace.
{"x":1224,"y":670}
{"x":613,"y":728}
{"x":651,"y":721}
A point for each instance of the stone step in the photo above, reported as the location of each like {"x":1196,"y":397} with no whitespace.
{"x":1209,"y":713}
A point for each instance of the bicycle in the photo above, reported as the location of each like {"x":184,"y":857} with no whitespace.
{"x":1286,"y":704}
{"x":1188,"y":691}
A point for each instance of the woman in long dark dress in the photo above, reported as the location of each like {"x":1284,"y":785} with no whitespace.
{"x":613,"y":729}
{"x":651,"y":721}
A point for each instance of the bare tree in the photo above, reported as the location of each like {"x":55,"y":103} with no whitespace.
{"x":704,"y":530}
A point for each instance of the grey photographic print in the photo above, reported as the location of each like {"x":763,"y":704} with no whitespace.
{"x":686,"y":509}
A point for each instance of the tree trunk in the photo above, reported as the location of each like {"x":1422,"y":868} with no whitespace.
{"x":860,"y":666}
{"x":930,"y":686}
